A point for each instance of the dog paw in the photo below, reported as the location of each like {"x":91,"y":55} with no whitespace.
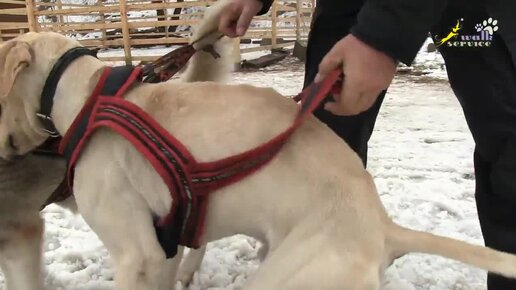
{"x":185,"y":278}
{"x":490,"y":25}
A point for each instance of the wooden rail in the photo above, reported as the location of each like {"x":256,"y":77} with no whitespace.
{"x":122,"y":26}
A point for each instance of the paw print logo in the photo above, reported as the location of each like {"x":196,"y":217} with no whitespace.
{"x":490,"y":25}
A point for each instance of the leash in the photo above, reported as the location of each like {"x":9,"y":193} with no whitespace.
{"x":189,"y":182}
{"x":161,"y":70}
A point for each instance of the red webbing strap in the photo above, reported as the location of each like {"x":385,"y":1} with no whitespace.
{"x":311,"y":97}
{"x":211,"y":176}
{"x":143,"y":128}
{"x":170,"y":161}
{"x":168,"y":65}
{"x":167,"y":155}
{"x":187,"y":180}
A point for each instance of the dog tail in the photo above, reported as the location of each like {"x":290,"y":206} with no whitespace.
{"x":403,"y":240}
{"x":213,"y":60}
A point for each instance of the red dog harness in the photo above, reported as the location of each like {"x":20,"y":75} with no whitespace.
{"x":188,"y":181}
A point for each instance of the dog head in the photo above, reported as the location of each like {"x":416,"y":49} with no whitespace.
{"x":25,"y":63}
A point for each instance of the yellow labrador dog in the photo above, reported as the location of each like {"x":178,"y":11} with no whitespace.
{"x":314,"y":204}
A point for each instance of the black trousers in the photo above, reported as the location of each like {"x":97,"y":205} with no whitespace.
{"x":484,"y":81}
{"x":355,"y":130}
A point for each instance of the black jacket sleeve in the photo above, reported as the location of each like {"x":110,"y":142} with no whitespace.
{"x":397,"y":27}
{"x":266,"y":6}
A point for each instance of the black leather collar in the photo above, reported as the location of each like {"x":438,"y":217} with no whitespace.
{"x":49,"y":90}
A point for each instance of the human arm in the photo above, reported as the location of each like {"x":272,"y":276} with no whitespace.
{"x":235,"y":20}
{"x":386,"y":32}
{"x":397,"y":27}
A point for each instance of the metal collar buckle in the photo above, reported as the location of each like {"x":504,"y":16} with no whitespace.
{"x":48,"y":123}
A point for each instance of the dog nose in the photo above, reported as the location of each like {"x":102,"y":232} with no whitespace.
{"x":18,"y":157}
{"x":12,"y":144}
{"x":6,"y":150}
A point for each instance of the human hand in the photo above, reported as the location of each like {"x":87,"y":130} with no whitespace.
{"x":367,"y":72}
{"x":235,"y":20}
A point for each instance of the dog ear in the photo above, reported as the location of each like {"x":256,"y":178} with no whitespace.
{"x":14,"y":56}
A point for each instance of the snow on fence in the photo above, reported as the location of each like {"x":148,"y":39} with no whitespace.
{"x":132,"y":24}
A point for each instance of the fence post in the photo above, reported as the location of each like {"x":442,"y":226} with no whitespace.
{"x":236,"y":52}
{"x":274,"y":24}
{"x":125,"y":32}
{"x":60,"y":18}
{"x":298,"y":19}
{"x":33,"y":22}
{"x":103,"y":19}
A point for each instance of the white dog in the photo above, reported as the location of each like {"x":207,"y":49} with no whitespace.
{"x":314,"y":205}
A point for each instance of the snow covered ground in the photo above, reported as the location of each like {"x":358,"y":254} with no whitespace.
{"x":420,"y":155}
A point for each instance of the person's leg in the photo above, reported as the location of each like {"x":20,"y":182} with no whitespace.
{"x":484,"y":81}
{"x":355,"y":130}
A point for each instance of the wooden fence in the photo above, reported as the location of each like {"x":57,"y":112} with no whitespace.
{"x":122,"y":27}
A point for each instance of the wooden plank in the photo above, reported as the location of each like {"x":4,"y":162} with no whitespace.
{"x":114,"y":25}
{"x":114,"y":8}
{"x":274,"y":27}
{"x":265,"y":60}
{"x":103,"y":20}
{"x":98,"y":42}
{"x":4,"y":35}
{"x":60,"y":18}
{"x":125,"y":32}
{"x":133,"y":30}
{"x":298,"y":19}
{"x":33,"y":23}
{"x":16,"y":2}
{"x":14,"y":11}
{"x":176,"y":16}
{"x":152,"y":34}
{"x":13,"y":25}
{"x":236,"y":51}
{"x":134,"y":58}
{"x":159,"y":41}
{"x":265,"y":33}
{"x":286,"y":8}
{"x":265,"y":47}
{"x":79,"y":11}
{"x":134,"y":42}
{"x":50,"y":4}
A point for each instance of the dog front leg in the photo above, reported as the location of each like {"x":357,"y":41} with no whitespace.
{"x":169,"y":273}
{"x":20,"y":256}
{"x":191,"y":263}
{"x":124,"y":224}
